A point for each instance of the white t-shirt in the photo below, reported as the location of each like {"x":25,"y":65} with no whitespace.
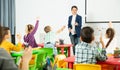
{"x":50,"y":37}
{"x":112,"y":46}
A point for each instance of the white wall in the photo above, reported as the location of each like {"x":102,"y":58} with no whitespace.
{"x":51,"y":12}
{"x":54,"y":13}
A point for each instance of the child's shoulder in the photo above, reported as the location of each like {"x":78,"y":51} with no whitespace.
{"x":51,"y":32}
{"x":6,"y":42}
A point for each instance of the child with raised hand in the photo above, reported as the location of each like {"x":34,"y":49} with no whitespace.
{"x":85,"y":51}
{"x":109,"y":41}
{"x":29,"y":38}
{"x":50,"y":37}
{"x":5,"y":43}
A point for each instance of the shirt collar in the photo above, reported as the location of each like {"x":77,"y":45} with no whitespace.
{"x":74,"y":15}
{"x":85,"y":44}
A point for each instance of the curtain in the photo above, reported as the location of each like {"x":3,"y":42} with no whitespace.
{"x":7,"y":15}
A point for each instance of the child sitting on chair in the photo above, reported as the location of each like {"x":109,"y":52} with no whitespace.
{"x":86,"y":52}
{"x":5,"y":43}
{"x":50,"y":38}
{"x":109,"y":41}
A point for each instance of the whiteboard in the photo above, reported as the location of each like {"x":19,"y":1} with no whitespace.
{"x":102,"y":10}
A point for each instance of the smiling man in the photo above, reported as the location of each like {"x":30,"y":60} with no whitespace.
{"x":74,"y":26}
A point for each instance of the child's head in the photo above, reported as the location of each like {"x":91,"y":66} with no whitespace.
{"x":29,"y":28}
{"x":47,"y":29}
{"x":110,"y":34}
{"x":4,"y":33}
{"x":87,"y":34}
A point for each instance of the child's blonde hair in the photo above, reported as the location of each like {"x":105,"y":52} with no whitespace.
{"x":47,"y":29}
{"x":29,"y":27}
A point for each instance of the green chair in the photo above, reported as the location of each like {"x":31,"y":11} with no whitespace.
{"x":39,"y":61}
{"x":41,"y":58}
{"x":49,"y":53}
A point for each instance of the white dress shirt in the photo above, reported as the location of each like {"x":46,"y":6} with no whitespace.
{"x":73,"y":24}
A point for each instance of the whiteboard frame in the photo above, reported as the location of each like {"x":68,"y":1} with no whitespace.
{"x":86,"y":21}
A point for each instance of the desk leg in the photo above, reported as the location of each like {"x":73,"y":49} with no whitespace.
{"x":117,"y":67}
{"x":70,"y":65}
{"x":69,"y":52}
{"x":62,"y":50}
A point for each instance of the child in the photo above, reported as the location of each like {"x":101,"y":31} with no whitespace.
{"x":4,"y":43}
{"x":109,"y":42}
{"x":85,"y":52}
{"x":29,"y":37}
{"x":50,"y":37}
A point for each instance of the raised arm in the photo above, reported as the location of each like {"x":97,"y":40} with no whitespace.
{"x":17,"y":47}
{"x":27,"y":55}
{"x":101,"y":54}
{"x":101,"y":41}
{"x":60,"y":30}
{"x":110,"y":24}
{"x":35,"y":28}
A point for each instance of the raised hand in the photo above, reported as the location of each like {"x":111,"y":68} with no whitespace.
{"x":70,"y":29}
{"x":18,"y":37}
{"x":101,"y":41}
{"x":76,"y":24}
{"x":110,"y":24}
{"x":37,"y":18}
{"x":27,"y":55}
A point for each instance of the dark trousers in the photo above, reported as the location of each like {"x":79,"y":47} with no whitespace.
{"x":74,"y":40}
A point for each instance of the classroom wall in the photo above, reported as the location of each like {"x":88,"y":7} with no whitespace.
{"x":54,"y":13}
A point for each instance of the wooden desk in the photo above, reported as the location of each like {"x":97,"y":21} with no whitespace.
{"x":111,"y":61}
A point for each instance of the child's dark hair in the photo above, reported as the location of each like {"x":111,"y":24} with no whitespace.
{"x":74,"y":7}
{"x":47,"y":29}
{"x":3,"y":32}
{"x":29,"y":28}
{"x":87,"y":34}
{"x":110,"y":34}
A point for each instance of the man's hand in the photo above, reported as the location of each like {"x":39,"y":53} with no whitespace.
{"x":70,"y":29}
{"x":76,"y":24}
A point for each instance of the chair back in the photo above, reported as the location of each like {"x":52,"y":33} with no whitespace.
{"x":39,"y":60}
{"x":86,"y":67}
{"x":59,"y":60}
{"x":49,"y":51}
